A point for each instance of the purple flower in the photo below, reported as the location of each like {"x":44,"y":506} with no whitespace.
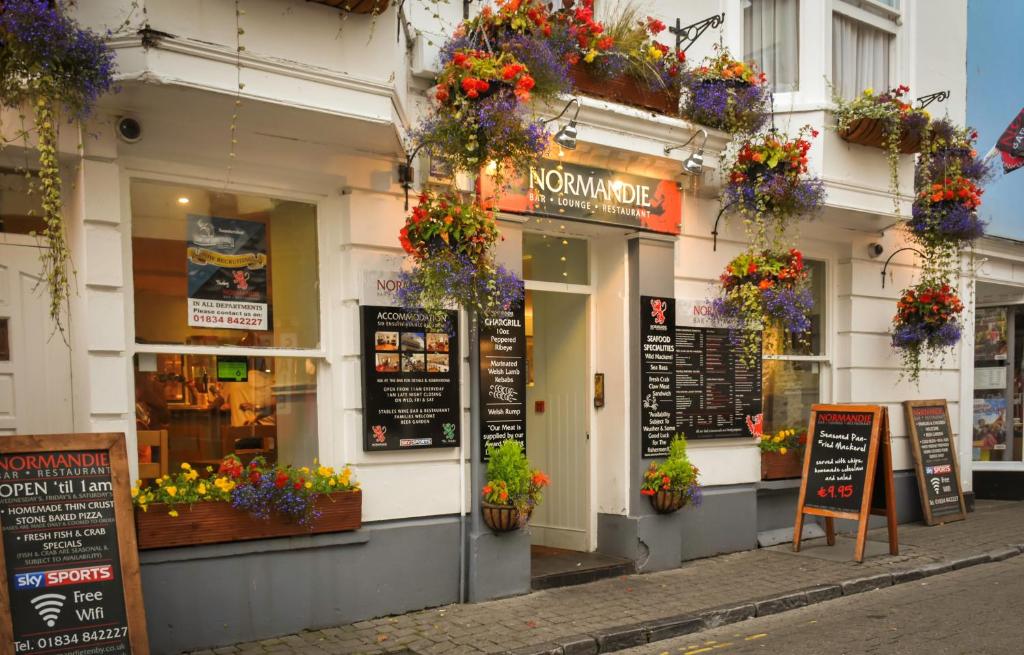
{"x":725,"y":104}
{"x":776,"y":193}
{"x":944,"y":222}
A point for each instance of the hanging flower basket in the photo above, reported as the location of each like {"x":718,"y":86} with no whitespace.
{"x":672,"y":484}
{"x":726,"y":94}
{"x":513,"y":489}
{"x":357,"y":6}
{"x":503,"y":518}
{"x":871,"y":132}
{"x":946,"y":212}
{"x":666,"y":502}
{"x":625,"y":90}
{"x":219,"y":522}
{"x":776,"y":466}
{"x":926,"y":324}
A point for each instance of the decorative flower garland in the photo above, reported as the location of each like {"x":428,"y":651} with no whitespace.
{"x":903,"y":126}
{"x":55,"y":66}
{"x":726,"y":94}
{"x":926,"y":323}
{"x":763,"y":289}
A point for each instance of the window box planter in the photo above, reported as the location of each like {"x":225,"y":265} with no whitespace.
{"x":871,"y":132}
{"x":218,"y":522}
{"x":625,"y":90}
{"x":666,"y":502}
{"x":775,"y":466}
{"x":503,"y":518}
{"x":357,"y":6}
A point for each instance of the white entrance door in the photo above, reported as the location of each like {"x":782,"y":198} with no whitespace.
{"x":35,"y":366}
{"x":557,"y":413}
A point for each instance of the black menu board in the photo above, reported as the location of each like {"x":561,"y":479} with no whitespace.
{"x":938,"y":472}
{"x":838,"y":450}
{"x":63,"y":556}
{"x":657,"y":375}
{"x":410,"y":380}
{"x":502,"y":379}
{"x":717,"y":393}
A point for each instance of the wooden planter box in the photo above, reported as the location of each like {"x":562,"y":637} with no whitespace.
{"x":871,"y":132}
{"x":781,"y":467}
{"x":218,"y":522}
{"x":357,"y":6}
{"x":625,"y":90}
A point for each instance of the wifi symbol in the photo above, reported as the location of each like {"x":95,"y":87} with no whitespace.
{"x":49,"y":607}
{"x":936,"y":484}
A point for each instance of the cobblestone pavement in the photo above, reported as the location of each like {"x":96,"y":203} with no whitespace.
{"x":555,"y":614}
{"x":975,"y":610}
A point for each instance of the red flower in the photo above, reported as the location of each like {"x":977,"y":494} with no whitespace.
{"x":488,"y":489}
{"x":281,"y":479}
{"x":442,"y":94}
{"x":469,"y":84}
{"x":605,"y":43}
{"x":681,"y":56}
{"x":254,"y":476}
{"x":525,"y":83}
{"x":460,"y":58}
{"x":648,"y":492}
{"x":655,"y":26}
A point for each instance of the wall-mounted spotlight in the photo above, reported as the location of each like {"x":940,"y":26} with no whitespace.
{"x":566,"y":135}
{"x":694,"y":164}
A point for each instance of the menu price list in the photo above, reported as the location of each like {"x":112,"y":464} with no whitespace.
{"x":61,"y":553}
{"x":933,"y":436}
{"x":839,"y":459}
{"x":716,"y":391}
{"x":657,"y":375}
{"x":502,"y":379}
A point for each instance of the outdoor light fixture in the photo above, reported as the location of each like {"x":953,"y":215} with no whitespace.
{"x":694,"y":164}
{"x":183,"y":200}
{"x":567,"y":134}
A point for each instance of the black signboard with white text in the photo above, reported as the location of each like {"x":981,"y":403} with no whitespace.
{"x":69,"y":553}
{"x":410,"y":380}
{"x":938,"y":472}
{"x":502,"y":379}
{"x":657,"y":375}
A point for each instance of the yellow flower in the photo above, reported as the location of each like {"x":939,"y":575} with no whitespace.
{"x":309,"y":485}
{"x":590,"y":56}
{"x":185,"y":466}
{"x":654,"y":53}
{"x":304,"y":469}
{"x":172,"y":491}
{"x":782,"y":451}
{"x":325,"y":472}
{"x":191,"y":475}
{"x":332,"y":482}
{"x":869,"y":91}
{"x":201,"y":489}
{"x":173,"y":513}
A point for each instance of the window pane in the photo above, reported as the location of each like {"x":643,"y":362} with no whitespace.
{"x":776,"y":342}
{"x":789,"y":390}
{"x":860,"y":56}
{"x":550,"y":258}
{"x":770,"y":38}
{"x":217,"y":268}
{"x":213,"y":406}
{"x":991,"y":378}
{"x":20,"y":209}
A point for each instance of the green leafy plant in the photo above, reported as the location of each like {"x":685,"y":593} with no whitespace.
{"x":675,"y":474}
{"x":511,"y":481}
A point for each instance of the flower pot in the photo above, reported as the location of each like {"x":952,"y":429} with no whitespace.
{"x":871,"y":132}
{"x":666,"y":502}
{"x":625,"y":90}
{"x":357,"y":6}
{"x":503,"y":518}
{"x":776,"y":466}
{"x":219,"y":522}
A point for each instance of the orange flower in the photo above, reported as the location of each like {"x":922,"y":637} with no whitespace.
{"x":488,"y":489}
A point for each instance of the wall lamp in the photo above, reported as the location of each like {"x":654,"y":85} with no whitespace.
{"x":694,"y":164}
{"x":406,"y":174}
{"x":567,"y":134}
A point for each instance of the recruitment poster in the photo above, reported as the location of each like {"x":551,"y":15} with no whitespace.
{"x":227,"y":273}
{"x":410,"y":380}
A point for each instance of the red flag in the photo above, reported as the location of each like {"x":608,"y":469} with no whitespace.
{"x":1011,"y":144}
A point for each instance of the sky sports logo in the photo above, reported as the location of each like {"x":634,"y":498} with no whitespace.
{"x":935,"y":470}
{"x":59,"y":578}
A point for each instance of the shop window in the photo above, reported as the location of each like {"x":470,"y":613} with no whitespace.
{"x":214,"y":268}
{"x":793,"y":370}
{"x":211,"y":406}
{"x":997,"y":437}
{"x":861,"y":54}
{"x":553,"y":258}
{"x":20,"y":208}
{"x":771,"y":39}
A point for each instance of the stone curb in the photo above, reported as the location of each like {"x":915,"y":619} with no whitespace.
{"x":637,"y":634}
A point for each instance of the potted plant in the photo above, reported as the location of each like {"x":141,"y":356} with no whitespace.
{"x":760,"y":290}
{"x":782,"y":454}
{"x":450,"y":243}
{"x":926,"y":324}
{"x":513,"y":489}
{"x":238,"y":503}
{"x":946,"y":211}
{"x":672,"y":484}
{"x":726,"y":94}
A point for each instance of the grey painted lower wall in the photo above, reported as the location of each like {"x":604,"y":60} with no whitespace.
{"x":205,"y":596}
{"x":499,"y":565}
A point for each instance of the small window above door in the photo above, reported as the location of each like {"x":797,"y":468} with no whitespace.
{"x":554,"y":258}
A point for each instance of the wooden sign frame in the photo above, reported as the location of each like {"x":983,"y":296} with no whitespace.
{"x":915,"y":449}
{"x":131,"y":580}
{"x":879,"y":449}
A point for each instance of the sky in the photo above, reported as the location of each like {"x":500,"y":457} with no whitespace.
{"x":995,"y":94}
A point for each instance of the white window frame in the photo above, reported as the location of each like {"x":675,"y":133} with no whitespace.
{"x":891,"y":22}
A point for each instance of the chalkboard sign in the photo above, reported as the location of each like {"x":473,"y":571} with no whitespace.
{"x":657,"y":375}
{"x":70,"y":564}
{"x":845,"y":444}
{"x":938,"y":472}
{"x":410,"y":380}
{"x":502,"y":379}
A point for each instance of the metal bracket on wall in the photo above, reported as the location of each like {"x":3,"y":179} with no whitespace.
{"x":691,"y":33}
{"x":714,"y":230}
{"x":938,"y":96}
{"x":896,"y":252}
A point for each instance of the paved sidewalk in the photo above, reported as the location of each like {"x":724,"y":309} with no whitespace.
{"x":632,"y":610}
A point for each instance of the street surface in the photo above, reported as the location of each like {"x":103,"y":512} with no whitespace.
{"x":976,"y":610}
